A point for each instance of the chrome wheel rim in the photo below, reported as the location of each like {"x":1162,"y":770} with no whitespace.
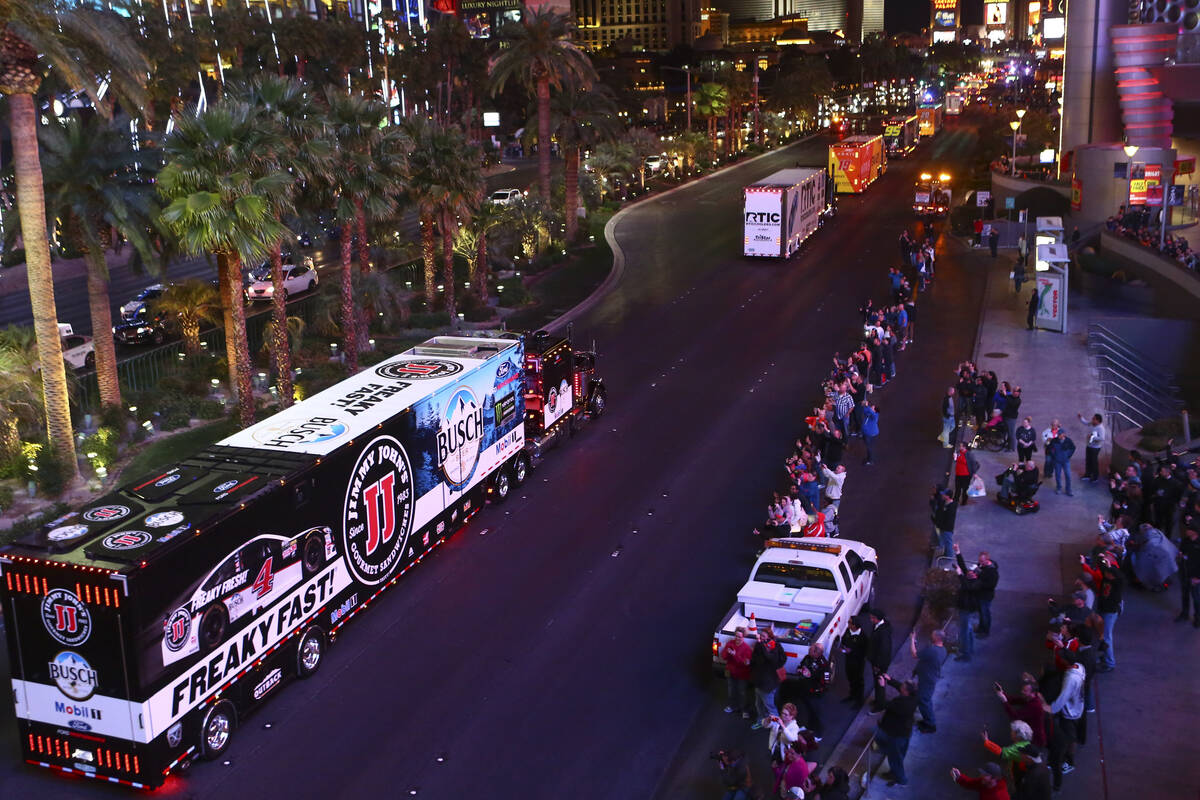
{"x":502,"y":486}
{"x":310,"y":653}
{"x":520,"y":469}
{"x":216,"y":733}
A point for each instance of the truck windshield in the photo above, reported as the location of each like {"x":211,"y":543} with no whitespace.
{"x":796,"y":576}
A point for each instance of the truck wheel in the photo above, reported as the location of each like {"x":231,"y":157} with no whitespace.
{"x":501,"y":485}
{"x":312,"y":557}
{"x":520,"y":469}
{"x":309,"y":652}
{"x":213,"y":623}
{"x":216,"y":730}
{"x":598,"y":403}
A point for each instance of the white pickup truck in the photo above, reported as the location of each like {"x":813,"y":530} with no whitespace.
{"x":806,"y":590}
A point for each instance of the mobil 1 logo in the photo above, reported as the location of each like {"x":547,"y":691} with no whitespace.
{"x":378,"y":511}
{"x":66,"y":618}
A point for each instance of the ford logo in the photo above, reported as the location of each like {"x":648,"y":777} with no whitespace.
{"x":79,"y":725}
{"x":224,"y":487}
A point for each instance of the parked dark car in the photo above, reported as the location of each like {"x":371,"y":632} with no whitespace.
{"x":143,"y":328}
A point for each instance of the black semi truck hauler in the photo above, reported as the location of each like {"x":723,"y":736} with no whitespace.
{"x":143,"y":626}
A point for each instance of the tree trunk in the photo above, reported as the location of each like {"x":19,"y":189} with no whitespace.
{"x":571,"y":165}
{"x":428,"y":255}
{"x":245,"y":392}
{"x":448,"y":269}
{"x":481,"y":268}
{"x":364,"y":247}
{"x":31,"y":205}
{"x":231,"y":295}
{"x":349,"y":324}
{"x":543,"y":102}
{"x":281,"y":349}
{"x":101,"y":313}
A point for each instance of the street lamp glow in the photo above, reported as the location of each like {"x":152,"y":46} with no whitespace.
{"x":1130,"y":150}
{"x":1020,"y":113}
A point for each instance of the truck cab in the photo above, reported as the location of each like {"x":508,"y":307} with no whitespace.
{"x":78,"y":350}
{"x":804,"y":589}
{"x":562,"y":389}
{"x":931,"y":194}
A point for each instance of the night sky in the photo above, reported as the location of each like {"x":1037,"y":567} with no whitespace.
{"x":912,"y":15}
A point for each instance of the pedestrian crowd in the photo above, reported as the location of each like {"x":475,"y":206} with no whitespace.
{"x":1135,"y":225}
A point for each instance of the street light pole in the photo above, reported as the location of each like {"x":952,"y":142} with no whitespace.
{"x":1013,"y":168}
{"x":1130,"y":152}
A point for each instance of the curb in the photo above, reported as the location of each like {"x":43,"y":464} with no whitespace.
{"x":618,"y":268}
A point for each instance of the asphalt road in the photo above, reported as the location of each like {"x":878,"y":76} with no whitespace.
{"x":70,"y":293}
{"x":559,"y":647}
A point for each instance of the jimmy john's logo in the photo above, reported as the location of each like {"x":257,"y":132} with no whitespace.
{"x":418,"y":369}
{"x":378,"y":511}
{"x":176,"y":630}
{"x":66,"y":617}
{"x":106,"y":513}
{"x":293,"y":432}
{"x":73,"y":675}
{"x":460,"y":432}
{"x":126,"y":540}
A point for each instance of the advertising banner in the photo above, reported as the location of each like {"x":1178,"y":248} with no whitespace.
{"x":996,"y":13}
{"x":1154,"y":184}
{"x":1076,"y":193}
{"x":763,"y":221}
{"x":1050,"y":314}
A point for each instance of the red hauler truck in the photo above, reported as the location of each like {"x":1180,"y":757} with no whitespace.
{"x":857,"y":162}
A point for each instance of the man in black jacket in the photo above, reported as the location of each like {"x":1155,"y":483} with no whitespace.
{"x":967,"y":603}
{"x":944,"y":519}
{"x":1189,"y":575}
{"x":1010,"y":414}
{"x":895,"y":727}
{"x":879,"y":653}
{"x":765,"y":661}
{"x":854,"y":648}
{"x":989,"y":576}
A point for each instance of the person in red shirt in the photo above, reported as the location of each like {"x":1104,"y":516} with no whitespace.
{"x":990,"y":784}
{"x":1029,"y":707}
{"x":736,"y":654}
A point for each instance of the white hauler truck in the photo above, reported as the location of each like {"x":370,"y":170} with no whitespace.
{"x":805,"y":590}
{"x":782,"y":211}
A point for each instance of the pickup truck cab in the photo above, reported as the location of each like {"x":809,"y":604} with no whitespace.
{"x":806,"y":590}
{"x":78,"y":351}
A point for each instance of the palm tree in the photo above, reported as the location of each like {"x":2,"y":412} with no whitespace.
{"x":448,"y":41}
{"x":712,"y":101}
{"x":80,"y":43}
{"x":187,"y":306}
{"x":538,"y":52}
{"x":223,"y":186}
{"x":97,"y":183}
{"x":472,"y":241}
{"x":611,"y":159}
{"x":645,"y":143}
{"x":367,"y":170}
{"x":287,"y":106}
{"x":581,"y":117}
{"x":22,"y":408}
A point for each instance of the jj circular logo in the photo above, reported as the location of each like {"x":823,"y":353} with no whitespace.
{"x":175,"y":632}
{"x":378,"y":511}
{"x":418,"y":369}
{"x":106,"y":513}
{"x":127,"y":540}
{"x":66,"y":617}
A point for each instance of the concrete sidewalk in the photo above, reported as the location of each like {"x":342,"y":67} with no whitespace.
{"x":1139,"y":739}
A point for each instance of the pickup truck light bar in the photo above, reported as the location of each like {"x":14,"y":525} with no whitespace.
{"x":791,"y":544}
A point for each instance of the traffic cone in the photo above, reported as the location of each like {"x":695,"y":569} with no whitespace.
{"x":753,"y":625}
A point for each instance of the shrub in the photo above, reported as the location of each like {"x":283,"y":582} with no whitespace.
{"x":514,"y":294}
{"x":104,"y":444}
{"x":49,"y":474}
{"x":33,"y":522}
{"x":207,"y":408}
{"x":940,"y":588}
{"x":175,"y":418}
{"x":7,"y":496}
{"x":113,"y":416}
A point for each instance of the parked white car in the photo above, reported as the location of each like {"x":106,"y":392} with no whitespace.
{"x":655,"y":163}
{"x":78,"y":351}
{"x":296,"y":278}
{"x":503,"y":197}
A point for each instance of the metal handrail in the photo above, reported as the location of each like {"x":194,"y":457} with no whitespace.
{"x":1137,"y":363}
{"x":1113,"y":341}
{"x":1131,"y":421}
{"x":1166,"y":387}
{"x":1149,"y":400}
{"x":1147,"y":419}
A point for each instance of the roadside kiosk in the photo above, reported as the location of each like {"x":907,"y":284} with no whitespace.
{"x":1050,"y":278}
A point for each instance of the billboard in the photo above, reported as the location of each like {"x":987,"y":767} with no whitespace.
{"x":945,"y":19}
{"x":1054,"y":28}
{"x":996,"y":13}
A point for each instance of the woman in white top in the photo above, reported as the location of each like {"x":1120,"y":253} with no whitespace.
{"x":783,"y":731}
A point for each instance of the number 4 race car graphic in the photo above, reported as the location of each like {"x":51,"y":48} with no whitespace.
{"x":249,"y":580}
